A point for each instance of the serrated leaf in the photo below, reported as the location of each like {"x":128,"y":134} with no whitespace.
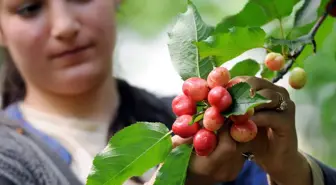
{"x":247,"y":67}
{"x":188,"y":29}
{"x":302,"y":14}
{"x":305,"y":18}
{"x":131,"y":152}
{"x":174,"y":169}
{"x":290,"y":44}
{"x":242,"y":99}
{"x":228,"y":45}
{"x":258,"y":13}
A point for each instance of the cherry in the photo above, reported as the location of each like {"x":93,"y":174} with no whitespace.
{"x":220,"y":98}
{"x":220,"y":76}
{"x":196,"y":88}
{"x":274,"y":61}
{"x":212,"y":119}
{"x":244,"y":131}
{"x":297,"y":78}
{"x":205,"y":142}
{"x":182,"y":104}
{"x":182,"y":128}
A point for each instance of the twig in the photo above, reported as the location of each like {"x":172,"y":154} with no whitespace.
{"x":284,"y":71}
{"x":310,"y":37}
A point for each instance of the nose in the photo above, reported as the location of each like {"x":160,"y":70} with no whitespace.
{"x":65,"y":25}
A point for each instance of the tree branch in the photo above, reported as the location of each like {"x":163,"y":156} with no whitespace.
{"x":309,"y":38}
{"x":283,"y":71}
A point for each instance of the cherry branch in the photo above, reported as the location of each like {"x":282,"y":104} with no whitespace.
{"x":303,"y":41}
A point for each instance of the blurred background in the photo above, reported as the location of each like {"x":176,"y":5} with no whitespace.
{"x":142,"y":58}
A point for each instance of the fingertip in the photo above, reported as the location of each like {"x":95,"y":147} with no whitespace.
{"x":177,"y":140}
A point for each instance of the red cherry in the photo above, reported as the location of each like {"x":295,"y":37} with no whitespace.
{"x":182,"y":105}
{"x":212,"y":119}
{"x":196,"y":88}
{"x":244,"y":132}
{"x":219,"y":97}
{"x":204,"y":142}
{"x":220,"y":76}
{"x":182,"y":128}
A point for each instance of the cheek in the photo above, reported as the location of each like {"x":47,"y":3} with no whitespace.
{"x":25,"y":40}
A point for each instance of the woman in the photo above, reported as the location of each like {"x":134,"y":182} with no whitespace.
{"x":59,"y":88}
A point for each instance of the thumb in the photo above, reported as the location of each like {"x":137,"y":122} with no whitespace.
{"x":177,"y":141}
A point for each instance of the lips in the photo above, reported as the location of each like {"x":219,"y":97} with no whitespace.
{"x":71,"y":51}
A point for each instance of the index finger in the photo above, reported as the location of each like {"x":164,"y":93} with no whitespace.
{"x":260,"y":83}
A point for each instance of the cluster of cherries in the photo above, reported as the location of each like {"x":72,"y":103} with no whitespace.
{"x":214,"y":93}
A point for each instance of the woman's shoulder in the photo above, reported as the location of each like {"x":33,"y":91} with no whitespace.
{"x":22,"y":161}
{"x":15,"y":154}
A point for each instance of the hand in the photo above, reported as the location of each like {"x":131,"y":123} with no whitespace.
{"x":276,"y":147}
{"x":222,"y":165}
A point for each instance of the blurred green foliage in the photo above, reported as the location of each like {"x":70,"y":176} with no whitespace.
{"x":151,"y":17}
{"x":320,"y":91}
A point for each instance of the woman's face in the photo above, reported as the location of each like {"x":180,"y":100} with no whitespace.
{"x":62,"y":46}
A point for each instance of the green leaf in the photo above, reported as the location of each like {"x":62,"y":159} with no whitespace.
{"x":196,"y":118}
{"x":258,"y":13}
{"x":266,"y":73}
{"x":242,"y":99}
{"x":131,"y":152}
{"x":290,"y":44}
{"x":174,"y":169}
{"x":201,"y":106}
{"x":301,"y":16}
{"x":305,"y":23}
{"x":188,"y":29}
{"x":226,"y":46}
{"x":247,"y":67}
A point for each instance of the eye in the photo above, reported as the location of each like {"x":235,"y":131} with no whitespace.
{"x":29,"y":9}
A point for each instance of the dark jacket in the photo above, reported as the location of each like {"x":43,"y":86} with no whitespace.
{"x":26,"y":160}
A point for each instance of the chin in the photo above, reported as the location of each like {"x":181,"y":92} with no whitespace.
{"x":81,"y":79}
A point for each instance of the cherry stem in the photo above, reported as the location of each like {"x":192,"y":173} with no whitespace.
{"x":306,"y":39}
